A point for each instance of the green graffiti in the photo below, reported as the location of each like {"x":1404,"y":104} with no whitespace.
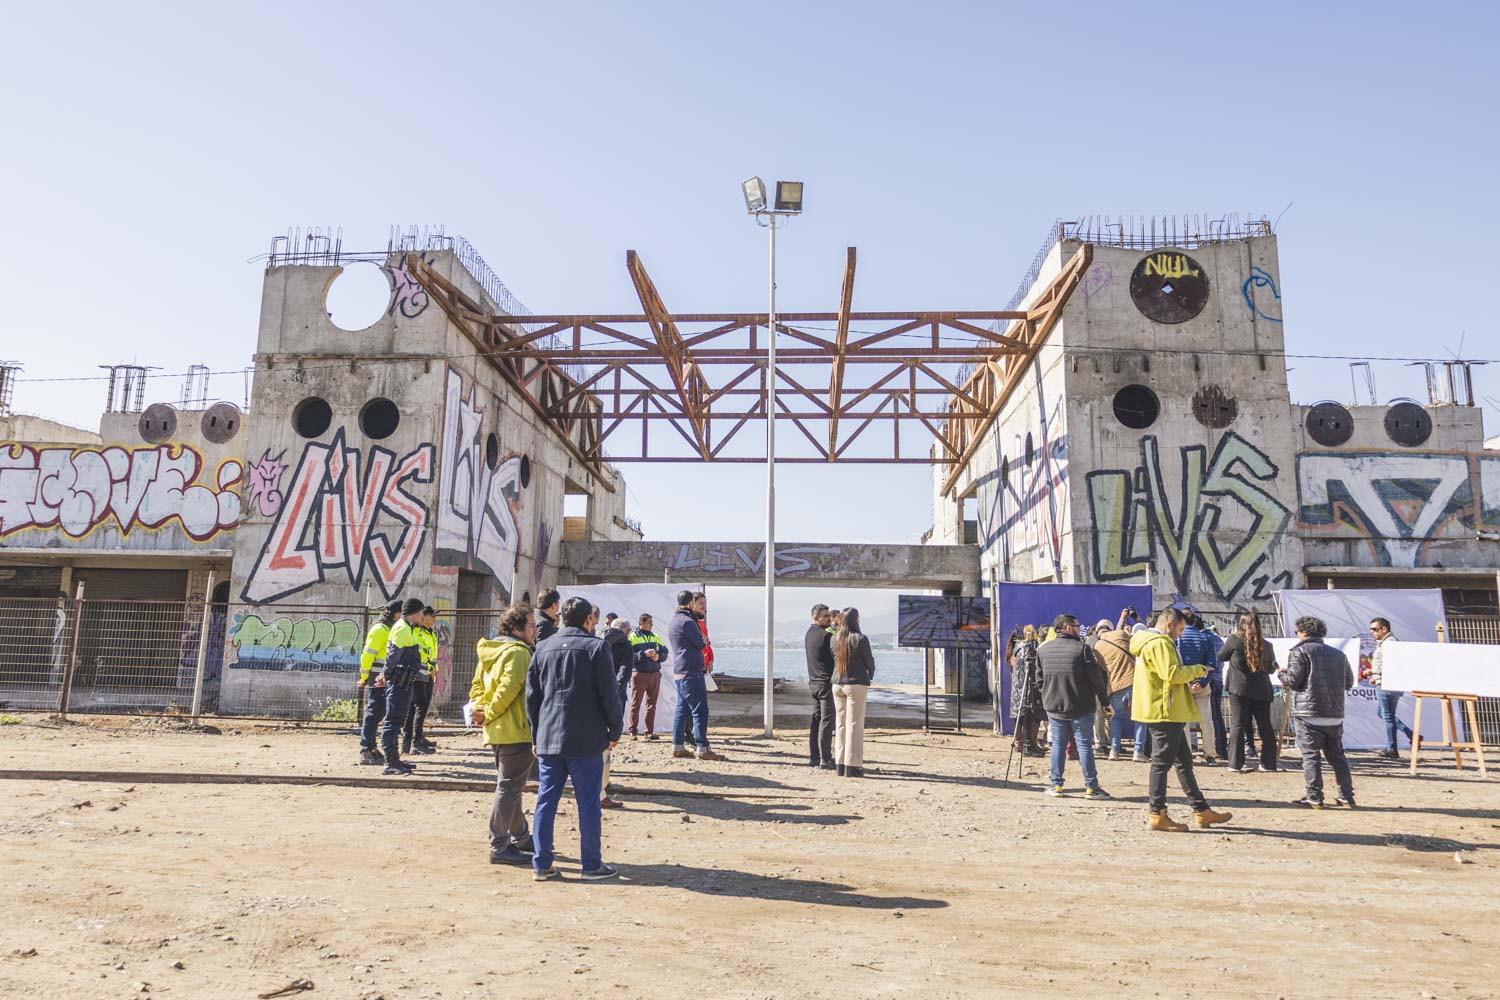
{"x":302,"y":638}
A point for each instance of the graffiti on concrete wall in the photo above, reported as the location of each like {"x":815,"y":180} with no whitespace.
{"x":1262,"y":295}
{"x":1136,"y":524}
{"x":337,"y":518}
{"x":479,"y":493}
{"x":1397,"y":501}
{"x":265,"y":483}
{"x":313,"y":644}
{"x":409,"y":298}
{"x":1097,"y":278}
{"x":1023,"y":502}
{"x":716,"y":558}
{"x":81,"y":489}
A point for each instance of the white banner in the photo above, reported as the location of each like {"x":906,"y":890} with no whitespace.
{"x":1447,"y":667}
{"x":630,"y":601}
{"x":1413,"y":614}
{"x":1364,"y":729}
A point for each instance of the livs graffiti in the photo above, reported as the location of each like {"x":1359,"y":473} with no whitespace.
{"x":1397,"y":501}
{"x":722,"y":558}
{"x":1135,"y":523}
{"x":314,"y":644}
{"x":81,"y":489}
{"x":479,"y":493}
{"x":335,"y":518}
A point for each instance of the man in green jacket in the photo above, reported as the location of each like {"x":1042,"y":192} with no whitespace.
{"x":498,"y":694}
{"x":1160,"y":697}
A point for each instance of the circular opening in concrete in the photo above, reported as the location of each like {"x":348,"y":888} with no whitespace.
{"x":157,"y":423}
{"x":312,"y":416}
{"x":220,"y":422}
{"x":359,"y":296}
{"x":1329,"y":424}
{"x":379,"y":419}
{"x":1030,"y":450}
{"x":492,"y":452}
{"x":1408,"y":424}
{"x":1137,"y":407}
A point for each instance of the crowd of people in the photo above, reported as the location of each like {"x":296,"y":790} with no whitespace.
{"x":1159,"y":684}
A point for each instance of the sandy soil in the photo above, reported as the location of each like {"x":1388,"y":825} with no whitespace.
{"x":755,"y":878}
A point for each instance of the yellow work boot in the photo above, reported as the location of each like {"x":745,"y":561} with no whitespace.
{"x":1161,"y":821}
{"x":1207,"y":818}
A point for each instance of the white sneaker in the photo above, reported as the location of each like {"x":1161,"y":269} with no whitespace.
{"x":1114,"y":754}
{"x":1139,"y":758}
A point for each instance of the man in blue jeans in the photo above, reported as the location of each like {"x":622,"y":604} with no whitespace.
{"x":574,"y":708}
{"x":1073,"y":689}
{"x":688,"y":667}
{"x":1386,"y":701}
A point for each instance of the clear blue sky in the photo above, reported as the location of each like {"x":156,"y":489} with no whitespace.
{"x":149,"y":151}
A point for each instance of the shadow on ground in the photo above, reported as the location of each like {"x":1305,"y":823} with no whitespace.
{"x":728,"y":882}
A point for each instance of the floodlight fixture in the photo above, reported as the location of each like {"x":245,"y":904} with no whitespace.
{"x":755,"y":195}
{"x":788,"y":196}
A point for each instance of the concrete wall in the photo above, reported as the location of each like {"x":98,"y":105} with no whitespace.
{"x":1374,"y":502}
{"x":460,"y":505}
{"x":39,"y":430}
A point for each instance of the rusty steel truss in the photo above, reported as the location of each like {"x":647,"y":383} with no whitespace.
{"x":703,"y":374}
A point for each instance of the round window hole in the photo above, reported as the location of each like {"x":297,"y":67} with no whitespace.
{"x":312,"y":416}
{"x":157,"y":423}
{"x":1329,"y":424}
{"x":1030,"y":450}
{"x":358,"y":296}
{"x":491,"y":452}
{"x":379,"y":419}
{"x":1137,"y":407}
{"x":1408,"y":424}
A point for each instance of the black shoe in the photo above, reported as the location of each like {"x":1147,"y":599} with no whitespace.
{"x":813,"y":763}
{"x":525,"y":844}
{"x":600,"y":874}
{"x":427,"y":745}
{"x":652,"y":737}
{"x":840,"y":769}
{"x":510,"y":856}
{"x":398,"y":767}
{"x":371,"y":757}
{"x":1344,"y":803}
{"x":828,"y":765}
{"x":406,"y":747}
{"x":424,"y":750}
{"x":854,"y":772}
{"x":1310,"y":803}
{"x":1391,"y":754}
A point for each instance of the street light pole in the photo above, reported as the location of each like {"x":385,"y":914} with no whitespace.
{"x":770,"y":552}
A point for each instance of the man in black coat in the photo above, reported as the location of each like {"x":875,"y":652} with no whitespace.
{"x":575,"y":714}
{"x":1316,"y":676}
{"x":819,"y":645}
{"x":1073,"y":688}
{"x":546,"y":614}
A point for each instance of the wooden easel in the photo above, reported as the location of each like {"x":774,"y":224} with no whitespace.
{"x":1450,"y":729}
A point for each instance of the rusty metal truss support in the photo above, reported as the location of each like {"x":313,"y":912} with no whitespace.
{"x":703,"y":375}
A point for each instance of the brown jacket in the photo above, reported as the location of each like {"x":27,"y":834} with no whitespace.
{"x":1113,"y":651}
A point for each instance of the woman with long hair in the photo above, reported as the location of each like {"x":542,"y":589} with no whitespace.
{"x":1026,"y":690}
{"x":1251,"y":663}
{"x":853,"y":670}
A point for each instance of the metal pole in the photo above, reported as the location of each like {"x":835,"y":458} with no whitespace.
{"x":770,"y":554}
{"x":208,"y":603}
{"x":68,"y":671}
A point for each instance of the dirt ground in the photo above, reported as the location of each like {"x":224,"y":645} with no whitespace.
{"x":754,"y":878}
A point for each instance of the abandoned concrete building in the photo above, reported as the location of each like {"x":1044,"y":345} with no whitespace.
{"x":1127,"y":418}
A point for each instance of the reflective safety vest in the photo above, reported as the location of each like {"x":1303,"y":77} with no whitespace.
{"x":429,"y":644}
{"x":374,"y":655}
{"x":401,"y":647}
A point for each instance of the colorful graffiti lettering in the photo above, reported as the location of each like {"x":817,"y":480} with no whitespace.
{"x":1170,"y":265}
{"x":1135,"y":524}
{"x":1398,"y":502}
{"x":317,"y":644}
{"x":410,"y":297}
{"x":341,"y":511}
{"x":265,"y":483}
{"x":1262,"y":295}
{"x":78,"y":490}
{"x":479,"y":501}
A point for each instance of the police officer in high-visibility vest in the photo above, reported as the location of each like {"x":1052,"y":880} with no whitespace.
{"x":403,"y":662}
{"x":372,"y":681}
{"x":413,"y":739}
{"x":650,"y":653}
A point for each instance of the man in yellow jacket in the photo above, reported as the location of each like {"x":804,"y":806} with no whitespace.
{"x":499,"y":696}
{"x":372,"y":682}
{"x":1160,"y":698}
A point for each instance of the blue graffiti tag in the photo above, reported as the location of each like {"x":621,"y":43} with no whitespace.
{"x":1261,"y":278}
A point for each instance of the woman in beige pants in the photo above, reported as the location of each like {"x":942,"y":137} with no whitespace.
{"x":853,"y":670}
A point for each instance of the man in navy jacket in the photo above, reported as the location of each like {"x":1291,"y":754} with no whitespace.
{"x":575,"y":713}
{"x":688,"y":668}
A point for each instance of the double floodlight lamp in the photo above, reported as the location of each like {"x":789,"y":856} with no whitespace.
{"x":788,"y":196}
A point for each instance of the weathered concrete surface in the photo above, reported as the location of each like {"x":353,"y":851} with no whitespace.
{"x":825,"y":564}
